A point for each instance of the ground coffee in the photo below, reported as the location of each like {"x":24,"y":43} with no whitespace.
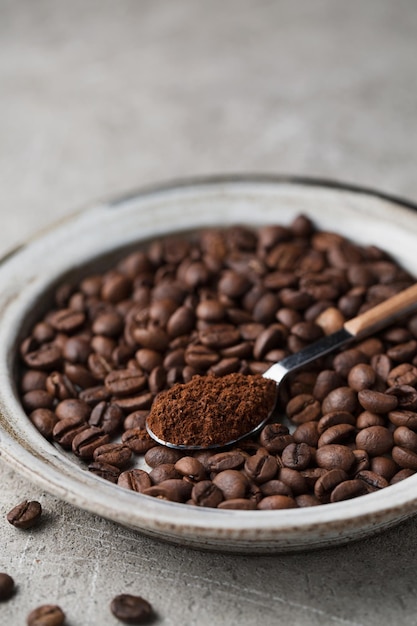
{"x":210,"y":411}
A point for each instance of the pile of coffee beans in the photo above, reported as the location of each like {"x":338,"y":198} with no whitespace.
{"x":216,"y":302}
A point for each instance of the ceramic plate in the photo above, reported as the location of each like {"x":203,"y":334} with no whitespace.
{"x":28,"y":274}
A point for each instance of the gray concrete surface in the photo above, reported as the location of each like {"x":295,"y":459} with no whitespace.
{"x":97,"y":97}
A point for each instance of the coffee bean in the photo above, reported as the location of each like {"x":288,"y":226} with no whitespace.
{"x":173,"y":489}
{"x":135,"y":479}
{"x":231,"y":483}
{"x":138,"y":440}
{"x":307,"y":433}
{"x":6,"y":586}
{"x":334,"y":418}
{"x":190,"y":468}
{"x":46,"y":357}
{"x":348,"y":489}
{"x":46,"y":615}
{"x":276,"y":502}
{"x":162,"y":472}
{"x":296,"y":456}
{"x":275,"y":437}
{"x":206,"y":493}
{"x":376,"y":401}
{"x":73,"y":408}
{"x":372,"y":479}
{"x":131,"y":609}
{"x":327,"y":482}
{"x":107,"y":416}
{"x":261,"y":467}
{"x":85,"y":442}
{"x":66,"y":429}
{"x":383,"y":466}
{"x":25,"y":515}
{"x":335,"y":456}
{"x":326,"y":381}
{"x":44,"y":420}
{"x":376,"y":440}
{"x":105,"y":470}
{"x":232,"y":459}
{"x":366,"y":419}
{"x":303,"y":408}
{"x":340,"y":433}
{"x":404,"y":457}
{"x":340,"y":399}
{"x":361,"y":376}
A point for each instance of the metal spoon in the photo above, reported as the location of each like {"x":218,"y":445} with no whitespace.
{"x":363,"y":325}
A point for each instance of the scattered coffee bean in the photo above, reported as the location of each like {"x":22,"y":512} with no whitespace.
{"x":46,"y":615}
{"x":25,"y":515}
{"x":131,"y":609}
{"x":6,"y":586}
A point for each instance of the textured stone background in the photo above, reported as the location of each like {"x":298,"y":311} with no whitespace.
{"x":98,"y":97}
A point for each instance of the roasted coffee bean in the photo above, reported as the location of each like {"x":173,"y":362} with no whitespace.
{"x":67,"y":320}
{"x":135,"y":479}
{"x":124,"y":382}
{"x":107,"y":416}
{"x":404,"y":418}
{"x":261,"y":467}
{"x":131,"y":609}
{"x":376,"y":440}
{"x":232,"y":459}
{"x":138,"y":440}
{"x":340,"y":399}
{"x":340,"y":433}
{"x":46,"y":615}
{"x":44,"y":420}
{"x":294,"y":479}
{"x":275,"y":437}
{"x":85,"y":443}
{"x":327,"y":482}
{"x":334,"y":418}
{"x":304,"y":500}
{"x":406,"y":438}
{"x":139,"y":402}
{"x":232,"y":484}
{"x":404,"y":457}
{"x":361,"y":376}
{"x":402,"y":475}
{"x":76,"y":350}
{"x":73,"y":408}
{"x":105,"y":470}
{"x":206,"y":493}
{"x":404,"y":374}
{"x":174,"y":489}
{"x":349,"y":489}
{"x":46,"y":357}
{"x":162,"y":472}
{"x":191,"y":468}
{"x":406,"y":396}
{"x":93,"y":395}
{"x":37,"y":399}
{"x":158,"y":455}
{"x":272,"y":337}
{"x":377,"y":402}
{"x":275,"y":487}
{"x":362,"y":461}
{"x":25,"y":515}
{"x":296,"y":456}
{"x":277,"y":502}
{"x":372,"y":479}
{"x":326,"y":381}
{"x":335,"y":456}
{"x":33,"y":379}
{"x":66,"y":429}
{"x":242,"y":504}
{"x":347,"y":359}
{"x":382,"y":365}
{"x":115,"y":454}
{"x":200,"y":357}
{"x":60,"y":386}
{"x":307,"y":433}
{"x":303,"y":408}
{"x":6,"y":586}
{"x":366,"y":419}
{"x":384,"y":466}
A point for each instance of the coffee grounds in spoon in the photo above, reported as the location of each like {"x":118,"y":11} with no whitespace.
{"x":209,"y":410}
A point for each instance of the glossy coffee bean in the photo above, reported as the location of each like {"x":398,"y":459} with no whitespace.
{"x":25,"y":515}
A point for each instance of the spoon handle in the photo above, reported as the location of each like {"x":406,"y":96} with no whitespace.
{"x":365,"y":324}
{"x":383,"y":314}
